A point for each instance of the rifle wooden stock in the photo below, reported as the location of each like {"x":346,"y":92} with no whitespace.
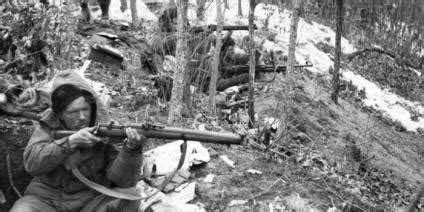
{"x":163,"y":133}
{"x":240,"y":69}
{"x":212,"y":27}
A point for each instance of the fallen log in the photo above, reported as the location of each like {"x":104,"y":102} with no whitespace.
{"x":222,"y":84}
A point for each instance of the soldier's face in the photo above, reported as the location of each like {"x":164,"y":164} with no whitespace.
{"x":77,"y":114}
{"x":230,"y":53}
{"x":174,"y":24}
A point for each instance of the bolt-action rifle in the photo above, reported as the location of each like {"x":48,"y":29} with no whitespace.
{"x":149,"y":131}
{"x":157,"y":131}
{"x":229,"y":71}
{"x":213,"y":27}
{"x":239,"y":74}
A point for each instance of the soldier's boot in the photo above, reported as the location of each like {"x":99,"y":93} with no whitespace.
{"x":105,"y":11}
{"x":85,"y":12}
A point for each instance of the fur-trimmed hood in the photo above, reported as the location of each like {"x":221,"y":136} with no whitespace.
{"x":51,"y":119}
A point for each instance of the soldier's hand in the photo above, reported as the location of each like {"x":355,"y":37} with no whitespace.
{"x":84,"y":138}
{"x":135,"y":140}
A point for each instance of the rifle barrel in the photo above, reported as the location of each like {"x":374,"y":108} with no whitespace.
{"x":211,"y":28}
{"x":167,"y":133}
{"x":238,"y":69}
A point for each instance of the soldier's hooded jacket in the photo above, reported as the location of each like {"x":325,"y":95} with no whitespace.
{"x":44,"y":158}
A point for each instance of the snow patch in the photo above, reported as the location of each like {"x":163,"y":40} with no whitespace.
{"x":309,"y":35}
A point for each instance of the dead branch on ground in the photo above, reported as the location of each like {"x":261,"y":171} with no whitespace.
{"x":397,"y":58}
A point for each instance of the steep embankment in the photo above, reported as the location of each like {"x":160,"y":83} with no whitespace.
{"x":350,"y":156}
{"x":356,"y":153}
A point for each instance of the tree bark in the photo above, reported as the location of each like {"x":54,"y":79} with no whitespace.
{"x":336,"y":72}
{"x":176,"y":101}
{"x":291,"y":59}
{"x":252,"y":63}
{"x":134,"y":16}
{"x":216,"y":58}
{"x":200,"y":13}
{"x":226,"y":4}
{"x":240,"y":12}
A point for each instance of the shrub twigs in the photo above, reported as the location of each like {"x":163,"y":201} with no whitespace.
{"x":9,"y":174}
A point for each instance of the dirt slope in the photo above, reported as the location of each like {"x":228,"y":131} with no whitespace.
{"x":344,"y":156}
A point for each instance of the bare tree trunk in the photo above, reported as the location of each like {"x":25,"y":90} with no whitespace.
{"x":176,"y":101}
{"x":200,"y":13}
{"x":134,"y":16}
{"x":240,"y":12}
{"x":373,"y":17}
{"x":336,"y":72}
{"x":252,"y":63}
{"x":291,"y":60}
{"x":216,"y":58}
{"x":226,"y":4}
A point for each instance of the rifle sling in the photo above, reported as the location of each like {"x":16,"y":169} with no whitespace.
{"x":123,"y":195}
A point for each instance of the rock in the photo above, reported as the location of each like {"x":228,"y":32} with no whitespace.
{"x":208,"y":178}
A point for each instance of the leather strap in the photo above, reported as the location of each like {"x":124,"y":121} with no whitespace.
{"x":104,"y":190}
{"x":123,"y":195}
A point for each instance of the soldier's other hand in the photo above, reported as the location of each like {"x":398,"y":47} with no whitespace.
{"x":84,"y":138}
{"x":135,"y":140}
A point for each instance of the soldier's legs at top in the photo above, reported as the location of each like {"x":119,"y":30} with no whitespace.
{"x":44,"y":2}
{"x":29,"y":203}
{"x":85,"y":12}
{"x":104,"y":7}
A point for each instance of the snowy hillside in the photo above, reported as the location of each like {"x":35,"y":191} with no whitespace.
{"x":309,"y":35}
